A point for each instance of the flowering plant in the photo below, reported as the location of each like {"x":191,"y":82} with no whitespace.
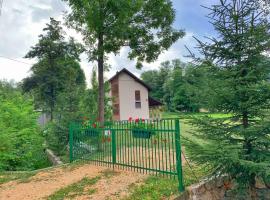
{"x":140,"y":124}
{"x":141,"y":128}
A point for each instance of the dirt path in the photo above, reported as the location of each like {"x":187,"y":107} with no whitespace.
{"x":48,"y":182}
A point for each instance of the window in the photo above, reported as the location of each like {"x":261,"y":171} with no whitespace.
{"x":116,"y":109}
{"x":138,"y":103}
{"x":115,"y":90}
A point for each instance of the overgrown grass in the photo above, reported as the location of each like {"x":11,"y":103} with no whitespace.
{"x":156,"y":187}
{"x":75,"y":189}
{"x":153,"y":188}
{"x":18,"y":176}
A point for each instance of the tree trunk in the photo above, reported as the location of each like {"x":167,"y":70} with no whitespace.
{"x":245,"y":119}
{"x":101,"y":94}
{"x":51,"y":104}
{"x":51,"y":114}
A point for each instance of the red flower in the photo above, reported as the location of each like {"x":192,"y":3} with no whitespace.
{"x":137,"y":120}
{"x":94,"y":125}
{"x":130,"y":119}
{"x":143,"y":120}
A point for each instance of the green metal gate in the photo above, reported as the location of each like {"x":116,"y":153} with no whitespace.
{"x":147,"y":146}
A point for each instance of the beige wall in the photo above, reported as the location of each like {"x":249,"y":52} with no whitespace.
{"x":127,"y":87}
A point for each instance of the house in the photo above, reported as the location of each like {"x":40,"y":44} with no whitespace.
{"x":130,"y":97}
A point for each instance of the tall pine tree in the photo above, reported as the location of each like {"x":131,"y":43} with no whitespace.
{"x":237,"y":145}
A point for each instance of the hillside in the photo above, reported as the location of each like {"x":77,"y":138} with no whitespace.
{"x":76,"y":181}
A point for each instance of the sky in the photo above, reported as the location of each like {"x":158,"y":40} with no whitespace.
{"x":22,"y":21}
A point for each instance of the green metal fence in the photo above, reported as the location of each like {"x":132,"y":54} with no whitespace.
{"x":147,"y":146}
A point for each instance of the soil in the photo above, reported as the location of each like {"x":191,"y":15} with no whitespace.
{"x":113,"y":187}
{"x":48,"y":182}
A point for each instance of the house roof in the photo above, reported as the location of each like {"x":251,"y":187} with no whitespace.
{"x":153,"y":102}
{"x":124,"y":70}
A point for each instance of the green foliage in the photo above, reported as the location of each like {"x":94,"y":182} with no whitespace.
{"x":108,"y":25}
{"x":57,"y":83}
{"x":18,"y":176}
{"x":125,"y":23}
{"x":156,"y":80}
{"x":177,"y":84}
{"x":57,"y":68}
{"x":238,"y":73}
{"x":21,"y":145}
{"x":90,"y":101}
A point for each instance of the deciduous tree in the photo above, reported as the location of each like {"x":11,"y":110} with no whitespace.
{"x":145,"y":26}
{"x":56,"y":59}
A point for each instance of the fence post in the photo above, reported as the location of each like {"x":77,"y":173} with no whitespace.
{"x":113,"y":148}
{"x":71,"y":142}
{"x":178,"y":156}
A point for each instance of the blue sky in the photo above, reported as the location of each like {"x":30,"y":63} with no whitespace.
{"x":191,"y":16}
{"x":22,"y":21}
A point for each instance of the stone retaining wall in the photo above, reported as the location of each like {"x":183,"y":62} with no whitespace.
{"x":53,"y":158}
{"x":221,"y":189}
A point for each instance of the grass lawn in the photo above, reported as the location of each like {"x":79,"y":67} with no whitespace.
{"x":162,"y":188}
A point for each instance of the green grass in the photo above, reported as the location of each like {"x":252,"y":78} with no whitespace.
{"x":183,"y":115}
{"x":18,"y":176}
{"x":185,"y":118}
{"x":155,"y":187}
{"x":79,"y":188}
{"x":75,"y":189}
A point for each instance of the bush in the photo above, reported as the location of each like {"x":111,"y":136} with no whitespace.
{"x":21,"y":146}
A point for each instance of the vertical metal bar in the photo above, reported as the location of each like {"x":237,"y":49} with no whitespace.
{"x":121,"y":145}
{"x":169,"y":145}
{"x":136,"y":151}
{"x":173,"y":146}
{"x":159,"y":165}
{"x":162,"y":141}
{"x":148,"y":152}
{"x":178,"y":156}
{"x":156,"y":142}
{"x":165,"y":143}
{"x":71,"y":142}
{"x":113,"y":148}
{"x":125,"y":144}
{"x":140,"y":164}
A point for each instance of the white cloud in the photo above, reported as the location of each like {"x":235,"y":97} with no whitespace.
{"x":22,"y":21}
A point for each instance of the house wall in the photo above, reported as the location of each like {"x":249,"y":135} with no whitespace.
{"x":127,"y":87}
